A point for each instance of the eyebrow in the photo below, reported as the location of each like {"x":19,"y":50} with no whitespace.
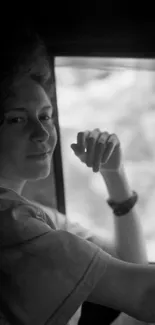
{"x":23,"y":109}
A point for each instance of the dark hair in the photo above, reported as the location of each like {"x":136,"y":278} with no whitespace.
{"x":24,"y":53}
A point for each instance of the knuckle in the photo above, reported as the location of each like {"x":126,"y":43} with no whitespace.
{"x":102,"y":139}
{"x":79,"y":136}
{"x":91,"y":138}
{"x":97,"y":129}
{"x":101,"y":142}
{"x":113,"y":138}
{"x":80,"y":133}
{"x":113,"y":135}
{"x":105,"y":133}
{"x":95,"y":132}
{"x":86,"y":134}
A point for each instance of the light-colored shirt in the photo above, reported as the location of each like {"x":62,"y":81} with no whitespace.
{"x":46,"y":273}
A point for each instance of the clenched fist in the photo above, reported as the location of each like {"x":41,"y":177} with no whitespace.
{"x":99,"y":150}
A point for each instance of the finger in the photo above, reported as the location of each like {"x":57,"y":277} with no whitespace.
{"x":111,"y":143}
{"x":75,"y":148}
{"x":99,"y":150}
{"x":81,"y":140}
{"x":91,"y":142}
{"x":113,"y":138}
{"x":77,"y":152}
{"x":107,"y":153}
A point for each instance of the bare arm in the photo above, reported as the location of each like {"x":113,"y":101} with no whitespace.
{"x":127,"y":287}
{"x":102,"y":152}
{"x":128,"y":243}
{"x":129,"y":238}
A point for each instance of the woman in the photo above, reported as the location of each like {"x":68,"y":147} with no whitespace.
{"x":47,"y":273}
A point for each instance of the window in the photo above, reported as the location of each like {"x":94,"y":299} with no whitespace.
{"x":118,"y":96}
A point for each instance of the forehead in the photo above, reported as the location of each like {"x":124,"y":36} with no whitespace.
{"x":27,"y":93}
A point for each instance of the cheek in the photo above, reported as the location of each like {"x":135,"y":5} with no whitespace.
{"x":6,"y":143}
{"x":10,"y":146}
{"x":53,"y":137}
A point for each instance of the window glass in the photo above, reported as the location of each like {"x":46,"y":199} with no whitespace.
{"x":118,"y":96}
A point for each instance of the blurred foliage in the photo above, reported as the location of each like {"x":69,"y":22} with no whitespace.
{"x":121,"y":102}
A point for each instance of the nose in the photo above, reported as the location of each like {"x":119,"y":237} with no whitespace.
{"x":39,"y":132}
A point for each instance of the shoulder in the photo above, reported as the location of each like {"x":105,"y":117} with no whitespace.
{"x":62,"y":222}
{"x":105,"y":241}
{"x":53,"y":216}
{"x":19,"y":220}
{"x":58,"y":262}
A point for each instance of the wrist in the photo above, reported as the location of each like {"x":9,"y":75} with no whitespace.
{"x":124,"y":207}
{"x":109,"y":172}
{"x":117,"y":184}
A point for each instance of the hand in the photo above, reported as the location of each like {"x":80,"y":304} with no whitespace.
{"x":99,"y":150}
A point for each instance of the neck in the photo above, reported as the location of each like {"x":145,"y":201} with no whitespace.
{"x":15,"y":185}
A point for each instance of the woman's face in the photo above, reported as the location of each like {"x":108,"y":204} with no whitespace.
{"x":27,"y":132}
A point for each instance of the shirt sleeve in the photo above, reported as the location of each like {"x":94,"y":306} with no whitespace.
{"x":105,"y":242}
{"x":53,"y":216}
{"x":45,"y":279}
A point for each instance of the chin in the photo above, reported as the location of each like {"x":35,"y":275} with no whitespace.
{"x":37,"y":174}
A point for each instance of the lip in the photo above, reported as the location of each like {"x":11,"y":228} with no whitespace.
{"x":40,"y":155}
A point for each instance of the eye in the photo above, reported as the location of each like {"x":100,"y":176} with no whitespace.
{"x":16,"y":120}
{"x":48,"y":117}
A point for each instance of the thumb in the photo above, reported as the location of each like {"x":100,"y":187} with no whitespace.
{"x":74,"y":146}
{"x":78,"y":152}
